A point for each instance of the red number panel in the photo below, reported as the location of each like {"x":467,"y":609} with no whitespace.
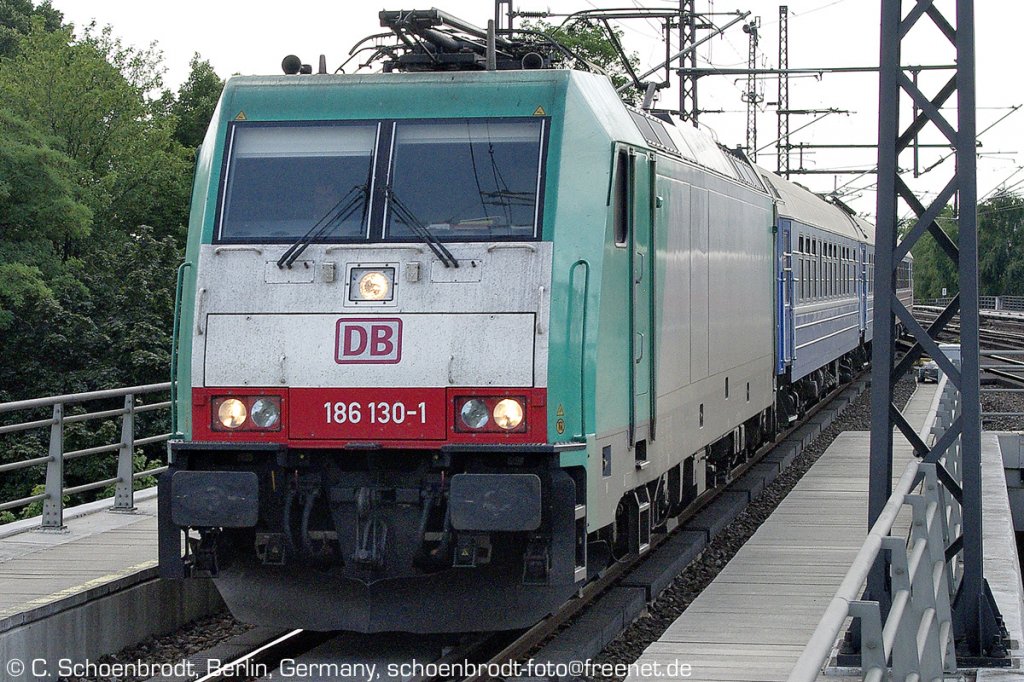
{"x":368,"y":414}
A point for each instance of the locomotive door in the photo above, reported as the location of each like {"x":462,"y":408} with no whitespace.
{"x":641,"y":421}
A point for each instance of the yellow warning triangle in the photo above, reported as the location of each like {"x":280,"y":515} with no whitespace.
{"x":241,"y":116}
{"x":539,"y":111}
{"x":560,"y":412}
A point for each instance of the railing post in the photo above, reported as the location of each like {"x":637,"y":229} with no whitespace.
{"x":905,"y":658}
{"x":53,"y":505}
{"x":124,"y":490}
{"x":942,"y":581}
{"x":872,"y":650}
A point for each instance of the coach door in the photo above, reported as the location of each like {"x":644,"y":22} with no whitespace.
{"x":642,"y":322}
{"x":785,"y":294}
{"x":862,"y":286}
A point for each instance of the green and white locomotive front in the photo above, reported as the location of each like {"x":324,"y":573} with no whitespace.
{"x":367,"y":352}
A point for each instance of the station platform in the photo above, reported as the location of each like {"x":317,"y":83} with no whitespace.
{"x":91,"y":588}
{"x":753,"y":621}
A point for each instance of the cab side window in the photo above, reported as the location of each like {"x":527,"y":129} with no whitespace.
{"x":620,"y":198}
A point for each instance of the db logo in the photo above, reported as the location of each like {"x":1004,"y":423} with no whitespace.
{"x":369,"y":341}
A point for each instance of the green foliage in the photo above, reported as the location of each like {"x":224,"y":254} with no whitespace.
{"x":36,"y":508}
{"x":1001,"y":245}
{"x":197,"y":99}
{"x":95,"y":174}
{"x":139,"y":463}
{"x":16,"y":21}
{"x":40,"y":197}
{"x":20,"y":286}
{"x":92,"y":97}
{"x":1000,"y":252}
{"x":590,"y":41}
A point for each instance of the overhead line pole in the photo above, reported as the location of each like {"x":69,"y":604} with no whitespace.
{"x":782,"y":143}
{"x":689,"y":109}
{"x":977,"y":629}
{"x":750,"y":96}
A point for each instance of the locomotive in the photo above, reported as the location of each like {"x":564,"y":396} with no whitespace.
{"x":450,"y":340}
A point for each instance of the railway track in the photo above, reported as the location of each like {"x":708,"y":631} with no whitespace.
{"x":266,"y":655}
{"x":486,"y":652}
{"x":995,"y":332}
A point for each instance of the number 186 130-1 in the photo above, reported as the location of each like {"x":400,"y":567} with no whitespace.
{"x":356,"y":412}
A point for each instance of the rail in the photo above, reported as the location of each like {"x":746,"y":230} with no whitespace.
{"x":1015,"y":303}
{"x":54,"y":491}
{"x":1007,"y":365}
{"x":915,"y":637}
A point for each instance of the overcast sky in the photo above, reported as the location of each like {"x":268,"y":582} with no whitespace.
{"x":252,"y":37}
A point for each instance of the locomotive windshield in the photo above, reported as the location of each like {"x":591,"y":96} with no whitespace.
{"x":281,"y":180}
{"x":467,"y":179}
{"x":459,"y":179}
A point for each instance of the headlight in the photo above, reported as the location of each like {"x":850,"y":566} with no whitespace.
{"x":232,"y":413}
{"x":371,"y":284}
{"x":266,"y":412}
{"x":474,"y":414}
{"x":508,"y":414}
{"x":490,"y":414}
{"x":246,"y":413}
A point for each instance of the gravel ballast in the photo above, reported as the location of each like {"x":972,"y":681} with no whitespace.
{"x":195,"y":637}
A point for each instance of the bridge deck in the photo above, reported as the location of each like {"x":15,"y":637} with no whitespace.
{"x":753,"y":621}
{"x":41,"y":571}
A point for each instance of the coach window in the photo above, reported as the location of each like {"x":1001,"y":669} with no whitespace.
{"x":832,"y":269}
{"x":803,"y":278}
{"x":815,"y":273}
{"x":814,"y":277}
{"x":828,"y":270}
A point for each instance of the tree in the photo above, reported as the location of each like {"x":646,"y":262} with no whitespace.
{"x":88,"y":159}
{"x":40,"y":198}
{"x":16,"y":21}
{"x":1000,"y":252}
{"x":1001,"y":245}
{"x":196,"y":102}
{"x":590,"y":41}
{"x":93,"y":97}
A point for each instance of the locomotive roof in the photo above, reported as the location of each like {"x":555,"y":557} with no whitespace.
{"x":805,"y":207}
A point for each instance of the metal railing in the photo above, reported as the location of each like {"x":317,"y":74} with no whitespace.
{"x":54,"y":491}
{"x":916,"y":635}
{"x":1014,"y":303}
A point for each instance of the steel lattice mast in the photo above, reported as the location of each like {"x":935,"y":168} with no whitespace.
{"x":782,"y":146}
{"x":977,"y":627}
{"x":688,"y":106}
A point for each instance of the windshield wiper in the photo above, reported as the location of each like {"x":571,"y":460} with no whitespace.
{"x":335,"y":215}
{"x":421,"y":230}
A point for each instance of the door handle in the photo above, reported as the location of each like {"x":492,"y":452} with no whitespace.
{"x":201,"y":298}
{"x":638,"y":268}
{"x":638,"y":349}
